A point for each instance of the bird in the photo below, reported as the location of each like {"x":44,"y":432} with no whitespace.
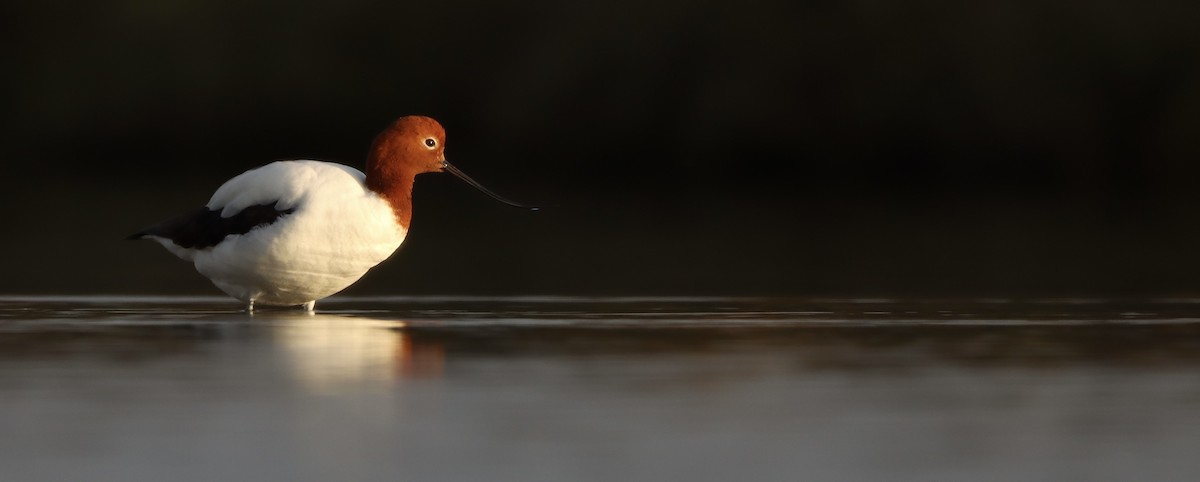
{"x":292,"y":232}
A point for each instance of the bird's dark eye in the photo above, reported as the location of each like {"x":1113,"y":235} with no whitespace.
{"x":430,"y":142}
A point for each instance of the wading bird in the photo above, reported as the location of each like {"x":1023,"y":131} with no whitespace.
{"x":293,"y":232}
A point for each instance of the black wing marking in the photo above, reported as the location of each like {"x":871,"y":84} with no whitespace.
{"x":203,"y":228}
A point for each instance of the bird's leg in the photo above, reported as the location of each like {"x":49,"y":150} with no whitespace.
{"x":310,"y":306}
{"x":250,"y":306}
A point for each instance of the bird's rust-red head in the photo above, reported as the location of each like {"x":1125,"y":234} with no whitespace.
{"x":410,"y":146}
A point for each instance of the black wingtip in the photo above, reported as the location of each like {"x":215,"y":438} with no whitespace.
{"x":135,"y":236}
{"x":203,"y":227}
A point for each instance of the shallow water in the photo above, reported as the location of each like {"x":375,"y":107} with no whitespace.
{"x":452,"y":388}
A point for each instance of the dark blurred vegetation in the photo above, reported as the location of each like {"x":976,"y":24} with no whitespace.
{"x":681,"y":147}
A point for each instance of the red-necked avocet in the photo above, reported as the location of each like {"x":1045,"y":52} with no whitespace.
{"x":293,"y":232}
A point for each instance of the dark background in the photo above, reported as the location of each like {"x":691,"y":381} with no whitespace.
{"x":860,"y":148}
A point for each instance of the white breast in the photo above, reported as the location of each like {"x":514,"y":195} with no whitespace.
{"x":338,"y":231}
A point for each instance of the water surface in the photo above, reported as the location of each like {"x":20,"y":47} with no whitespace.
{"x":457,"y":388}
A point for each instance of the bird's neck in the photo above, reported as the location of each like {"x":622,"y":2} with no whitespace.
{"x":393,"y":183}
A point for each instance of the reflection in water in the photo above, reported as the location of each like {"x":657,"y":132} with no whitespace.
{"x":329,"y":352}
{"x":642,"y":389}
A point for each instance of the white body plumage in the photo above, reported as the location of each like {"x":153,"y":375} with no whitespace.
{"x":338,"y":230}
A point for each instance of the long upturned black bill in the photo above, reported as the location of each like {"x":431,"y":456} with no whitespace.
{"x":461,"y":175}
